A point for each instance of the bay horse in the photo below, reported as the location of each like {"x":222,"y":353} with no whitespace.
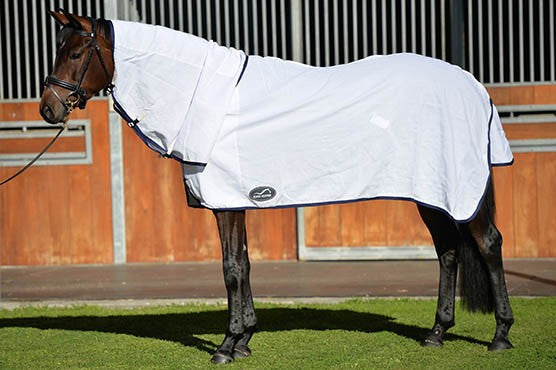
{"x":84,"y":66}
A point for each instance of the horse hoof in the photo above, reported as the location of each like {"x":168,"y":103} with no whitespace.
{"x":241,"y":352}
{"x":431,"y":342}
{"x":500,"y":344}
{"x":221,"y":358}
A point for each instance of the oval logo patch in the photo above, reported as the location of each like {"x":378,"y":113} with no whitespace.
{"x":262,"y":193}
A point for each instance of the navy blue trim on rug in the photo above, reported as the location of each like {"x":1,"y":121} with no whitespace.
{"x":133,"y":122}
{"x":489,"y":177}
{"x":243,"y":69}
{"x":299,"y":205}
{"x":502,"y":164}
{"x":148,"y":141}
{"x":112,"y":38}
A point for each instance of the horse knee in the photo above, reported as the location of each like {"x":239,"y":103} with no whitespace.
{"x":490,"y":243}
{"x":232,"y":274}
{"x":448,"y":260}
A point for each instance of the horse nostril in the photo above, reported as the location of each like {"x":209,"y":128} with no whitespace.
{"x":47,"y":113}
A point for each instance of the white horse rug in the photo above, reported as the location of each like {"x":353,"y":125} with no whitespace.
{"x":263,"y":132}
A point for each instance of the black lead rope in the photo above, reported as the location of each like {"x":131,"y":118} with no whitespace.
{"x":36,"y":158}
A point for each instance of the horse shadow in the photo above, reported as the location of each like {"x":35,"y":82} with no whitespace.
{"x":185,"y":327}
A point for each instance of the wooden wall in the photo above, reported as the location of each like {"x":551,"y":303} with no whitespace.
{"x":525,"y":197}
{"x":526,"y":191}
{"x":56,"y":214}
{"x":62,"y":214}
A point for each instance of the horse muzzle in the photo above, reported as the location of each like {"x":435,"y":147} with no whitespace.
{"x":51,"y":115}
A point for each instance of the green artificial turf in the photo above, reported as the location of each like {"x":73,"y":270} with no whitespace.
{"x":375,"y":333}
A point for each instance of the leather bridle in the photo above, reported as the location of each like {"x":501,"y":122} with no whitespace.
{"x":76,"y":91}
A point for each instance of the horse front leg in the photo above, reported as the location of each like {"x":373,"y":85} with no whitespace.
{"x":446,"y":237}
{"x":241,"y":348}
{"x":235,"y":261}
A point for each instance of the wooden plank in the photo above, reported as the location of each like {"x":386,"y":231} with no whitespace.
{"x":329,"y":226}
{"x":255,"y":239}
{"x":69,"y":144}
{"x":503,"y":192}
{"x":544,"y":94}
{"x":546,"y":197}
{"x":351,"y":224}
{"x":374,"y":222}
{"x":405,"y":226}
{"x":139,"y":186}
{"x":527,"y":94}
{"x":80,"y":213}
{"x":288,"y":243}
{"x":100,"y":184}
{"x":165,"y":207}
{"x":59,"y":218}
{"x":22,"y":221}
{"x":206,"y":236}
{"x":525,"y":214}
{"x":268,"y":242}
{"x":22,"y":210}
{"x":530,"y":131}
{"x":312,"y":215}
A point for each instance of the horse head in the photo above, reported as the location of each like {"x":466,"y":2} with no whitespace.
{"x":84,"y":65}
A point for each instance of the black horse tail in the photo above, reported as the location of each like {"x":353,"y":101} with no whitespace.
{"x":475,"y":287}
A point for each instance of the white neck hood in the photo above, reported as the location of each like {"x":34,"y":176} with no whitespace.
{"x":175,"y":88}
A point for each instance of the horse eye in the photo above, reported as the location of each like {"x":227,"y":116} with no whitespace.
{"x":75,"y":56}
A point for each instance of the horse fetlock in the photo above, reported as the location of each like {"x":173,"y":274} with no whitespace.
{"x":503,"y":328}
{"x":434,"y":337}
{"x":250,"y":328}
{"x":245,"y":337}
{"x":504,"y":321}
{"x":442,"y":326}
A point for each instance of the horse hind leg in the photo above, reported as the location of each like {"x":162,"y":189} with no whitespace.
{"x":489,"y":242}
{"x":446,"y":238}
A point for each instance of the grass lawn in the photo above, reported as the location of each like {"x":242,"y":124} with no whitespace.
{"x":376,"y":333}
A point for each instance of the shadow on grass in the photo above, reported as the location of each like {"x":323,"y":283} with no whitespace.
{"x":184,"y":327}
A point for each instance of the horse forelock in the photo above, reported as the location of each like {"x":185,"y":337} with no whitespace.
{"x":63,"y":36}
{"x":103,"y":27}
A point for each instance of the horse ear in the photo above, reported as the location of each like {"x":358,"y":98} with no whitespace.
{"x":59,"y":17}
{"x":72,"y":20}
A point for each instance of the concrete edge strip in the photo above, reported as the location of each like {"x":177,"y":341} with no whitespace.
{"x":142,"y":303}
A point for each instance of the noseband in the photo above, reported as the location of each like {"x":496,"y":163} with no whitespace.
{"x":76,"y":91}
